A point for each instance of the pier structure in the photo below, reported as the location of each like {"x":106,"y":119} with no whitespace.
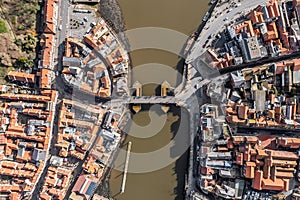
{"x":137,"y":86}
{"x":165,"y":87}
{"x":126,"y":168}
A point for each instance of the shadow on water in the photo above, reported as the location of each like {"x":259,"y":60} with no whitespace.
{"x":181,"y":169}
{"x":121,"y":174}
{"x":147,"y":107}
{"x":115,"y":195}
{"x":158,"y":90}
{"x":149,"y":89}
{"x":136,"y":187}
{"x":180,"y":129}
{"x":180,"y":68}
{"x":180,"y":65}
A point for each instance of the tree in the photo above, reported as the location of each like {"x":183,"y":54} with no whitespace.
{"x":3,"y":28}
{"x":24,"y":63}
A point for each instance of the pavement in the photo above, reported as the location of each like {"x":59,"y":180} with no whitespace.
{"x":80,"y":22}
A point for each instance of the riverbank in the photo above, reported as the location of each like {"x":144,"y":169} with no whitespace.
{"x":146,"y":14}
{"x":111,"y":12}
{"x":104,"y":187}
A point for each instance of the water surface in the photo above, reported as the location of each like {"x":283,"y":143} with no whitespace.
{"x":166,"y":183}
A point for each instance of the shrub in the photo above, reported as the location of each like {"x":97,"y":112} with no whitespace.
{"x":3,"y":28}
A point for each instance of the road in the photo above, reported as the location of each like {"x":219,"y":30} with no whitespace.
{"x":188,"y":97}
{"x":50,"y":148}
{"x":63,"y":19}
{"x":184,"y":98}
{"x":265,"y":61}
{"x":152,"y":100}
{"x":191,"y":89}
{"x":218,"y":24}
{"x":193,"y":110}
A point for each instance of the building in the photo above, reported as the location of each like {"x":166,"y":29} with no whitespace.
{"x":46,"y":77}
{"x":277,"y":165}
{"x":71,"y":61}
{"x":21,"y":77}
{"x":85,"y":186}
{"x":237,"y":79}
{"x":86,"y":1}
{"x":250,"y":49}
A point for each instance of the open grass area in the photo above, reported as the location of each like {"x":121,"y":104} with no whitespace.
{"x":21,"y":14}
{"x":3,"y":28}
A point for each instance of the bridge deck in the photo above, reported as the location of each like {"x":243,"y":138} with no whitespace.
{"x":153,"y":100}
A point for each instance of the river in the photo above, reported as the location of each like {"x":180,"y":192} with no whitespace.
{"x":167,"y":182}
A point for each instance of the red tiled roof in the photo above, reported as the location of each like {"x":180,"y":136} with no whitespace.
{"x":49,"y":28}
{"x":14,"y":196}
{"x":49,"y":11}
{"x":21,"y":76}
{"x":3,"y":139}
{"x":79,"y":183}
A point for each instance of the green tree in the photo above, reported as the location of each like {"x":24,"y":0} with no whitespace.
{"x":3,"y":28}
{"x":24,"y":63}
